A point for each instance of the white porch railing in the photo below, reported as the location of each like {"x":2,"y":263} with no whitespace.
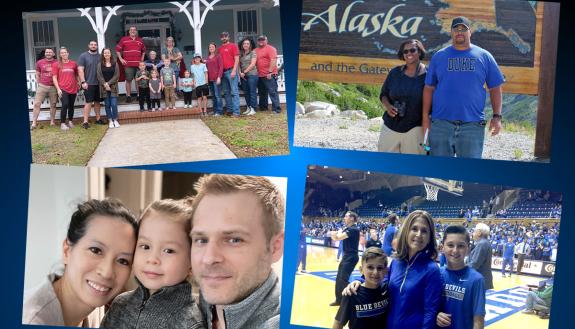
{"x":31,"y":86}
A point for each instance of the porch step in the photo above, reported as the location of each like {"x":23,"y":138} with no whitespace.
{"x":140,"y":117}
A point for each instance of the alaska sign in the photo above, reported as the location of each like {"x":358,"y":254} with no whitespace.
{"x":356,"y":41}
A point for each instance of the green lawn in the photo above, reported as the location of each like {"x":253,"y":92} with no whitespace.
{"x":73,"y":147}
{"x":262,"y":134}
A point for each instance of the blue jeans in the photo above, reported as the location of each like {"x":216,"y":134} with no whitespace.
{"x":507,"y":261}
{"x":270,"y":87}
{"x":249,"y":86}
{"x":230,"y":86}
{"x":451,"y":138}
{"x":111,"y":104}
{"x":217,"y":101}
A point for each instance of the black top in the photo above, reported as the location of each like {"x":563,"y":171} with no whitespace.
{"x":409,"y":90}
{"x":350,"y":244}
{"x":372,"y":243}
{"x":366,"y":310}
{"x":108,"y":72}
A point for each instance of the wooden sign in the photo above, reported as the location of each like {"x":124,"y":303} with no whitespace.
{"x":357,"y":41}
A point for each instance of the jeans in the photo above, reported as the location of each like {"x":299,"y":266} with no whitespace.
{"x":249,"y":86}
{"x":269,"y":86}
{"x":217,"y":101}
{"x":111,"y":104}
{"x":456,"y":138}
{"x":507,"y":261}
{"x":230,"y":86}
{"x":533,"y":301}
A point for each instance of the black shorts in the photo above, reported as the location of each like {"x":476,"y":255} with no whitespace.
{"x":202,"y":90}
{"x":92,"y":94}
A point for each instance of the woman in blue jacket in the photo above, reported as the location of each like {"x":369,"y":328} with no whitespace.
{"x":415,"y":284}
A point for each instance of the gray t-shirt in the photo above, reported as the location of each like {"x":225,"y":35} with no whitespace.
{"x":90,"y":63}
{"x":245,"y":61}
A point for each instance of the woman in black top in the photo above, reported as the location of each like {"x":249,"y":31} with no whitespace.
{"x":108,"y":73}
{"x":401,"y":95}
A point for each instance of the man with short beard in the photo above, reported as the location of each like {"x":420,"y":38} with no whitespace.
{"x":87,"y":66}
{"x":454,"y":89}
{"x":237,"y":234}
{"x":45,"y":87}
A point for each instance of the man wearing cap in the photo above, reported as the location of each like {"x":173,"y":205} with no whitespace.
{"x":230,"y":54}
{"x":454,"y":90}
{"x":268,"y":75}
{"x":130,"y":51}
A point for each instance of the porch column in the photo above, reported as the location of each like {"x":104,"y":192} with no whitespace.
{"x":197,"y":18}
{"x":100,"y":25}
{"x":197,"y":28}
{"x":100,"y":33}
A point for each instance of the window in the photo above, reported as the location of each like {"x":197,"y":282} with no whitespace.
{"x":42,"y":35}
{"x":247,"y":24}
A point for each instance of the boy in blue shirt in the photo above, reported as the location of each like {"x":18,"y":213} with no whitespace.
{"x":508,"y":251}
{"x":368,"y":307}
{"x":463,"y":304}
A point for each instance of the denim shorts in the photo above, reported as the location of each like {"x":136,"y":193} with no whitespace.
{"x":457,"y":138}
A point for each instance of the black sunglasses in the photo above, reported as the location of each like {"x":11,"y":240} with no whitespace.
{"x":410,"y":50}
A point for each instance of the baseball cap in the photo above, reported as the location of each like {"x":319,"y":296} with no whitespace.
{"x":262,"y":37}
{"x":461,"y":20}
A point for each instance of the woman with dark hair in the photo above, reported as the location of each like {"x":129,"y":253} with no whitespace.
{"x":248,"y":74}
{"x":402,"y":98}
{"x":215,"y":71}
{"x":97,"y":255}
{"x":108,"y":73}
{"x":415,"y":284}
{"x":66,"y":80}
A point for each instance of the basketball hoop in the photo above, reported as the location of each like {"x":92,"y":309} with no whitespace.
{"x":431,"y":191}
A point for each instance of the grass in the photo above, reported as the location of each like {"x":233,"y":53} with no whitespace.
{"x":74,"y":147}
{"x":375,"y":128}
{"x":262,"y":134}
{"x":518,"y":154}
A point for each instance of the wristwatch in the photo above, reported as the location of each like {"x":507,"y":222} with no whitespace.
{"x":497,"y":116}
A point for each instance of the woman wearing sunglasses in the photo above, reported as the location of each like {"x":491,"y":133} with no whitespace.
{"x":401,"y":96}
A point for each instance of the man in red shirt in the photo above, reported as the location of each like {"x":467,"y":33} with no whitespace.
{"x":230,"y":54}
{"x":45,"y":87}
{"x":268,"y":75}
{"x":130,"y":51}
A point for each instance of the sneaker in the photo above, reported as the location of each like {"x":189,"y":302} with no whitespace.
{"x":32,"y":127}
{"x":173,"y":107}
{"x":251,"y":112}
{"x":100,"y":122}
{"x":217,"y":115}
{"x":149,"y":110}
{"x":116,"y":124}
{"x":70,"y":124}
{"x":528,"y":311}
{"x":334,"y":304}
{"x":63,"y":126}
{"x":111,"y":124}
{"x":141,"y":110}
{"x":303,"y":271}
{"x":128,"y":99}
{"x":85,"y":125}
{"x":248,"y":110}
{"x":52,"y":124}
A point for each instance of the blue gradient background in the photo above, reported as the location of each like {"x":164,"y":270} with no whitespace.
{"x":16,"y":157}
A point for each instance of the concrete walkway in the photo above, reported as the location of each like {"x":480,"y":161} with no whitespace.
{"x":159,"y":142}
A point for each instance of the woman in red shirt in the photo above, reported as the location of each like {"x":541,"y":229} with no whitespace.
{"x":66,"y":80}
{"x":215,"y":72}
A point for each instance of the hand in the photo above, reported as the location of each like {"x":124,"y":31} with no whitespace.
{"x":443,"y":319}
{"x":123,"y":61}
{"x":59,"y":92}
{"x":218,"y":81}
{"x":233,"y":74}
{"x":391,"y":111}
{"x":351,"y":288}
{"x":269,"y":76}
{"x":495,"y":126}
{"x":242,"y":75}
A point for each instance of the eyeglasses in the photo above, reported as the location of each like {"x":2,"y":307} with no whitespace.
{"x":462,"y":29}
{"x":410,"y":50}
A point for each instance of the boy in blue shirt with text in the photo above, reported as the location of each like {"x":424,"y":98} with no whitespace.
{"x":463,"y":305}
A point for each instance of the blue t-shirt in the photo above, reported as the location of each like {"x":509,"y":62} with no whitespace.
{"x":458,"y":77}
{"x":387,"y":238}
{"x":463,"y":296}
{"x":199,"y":73}
{"x":186,"y":81}
{"x":508,"y":250}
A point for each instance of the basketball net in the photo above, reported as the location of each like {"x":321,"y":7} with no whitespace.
{"x":431,"y":191}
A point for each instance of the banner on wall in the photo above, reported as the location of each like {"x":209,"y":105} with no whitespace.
{"x":357,"y":41}
{"x":535,"y":267}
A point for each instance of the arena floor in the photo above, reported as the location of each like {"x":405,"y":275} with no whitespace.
{"x":314,"y":290}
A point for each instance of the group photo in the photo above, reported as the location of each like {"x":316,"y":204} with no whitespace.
{"x":439,"y":78}
{"x":154,"y":68}
{"x":153,"y":249}
{"x":382,"y":250}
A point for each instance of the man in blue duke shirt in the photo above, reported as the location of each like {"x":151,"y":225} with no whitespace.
{"x":454,"y":89}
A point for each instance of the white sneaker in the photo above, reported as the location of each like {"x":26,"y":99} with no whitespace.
{"x":111,"y":124}
{"x":251,"y":112}
{"x":70,"y":124}
{"x":248,"y":110}
{"x":116,"y":124}
{"x":63,"y":126}
{"x":185,"y":106}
